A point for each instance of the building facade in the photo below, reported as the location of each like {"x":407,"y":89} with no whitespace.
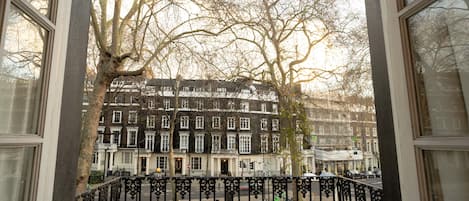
{"x":220,"y":128}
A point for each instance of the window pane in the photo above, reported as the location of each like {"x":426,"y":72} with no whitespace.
{"x":16,"y":166}
{"x":440,"y":48}
{"x":21,"y":64}
{"x":41,"y":5}
{"x":447,"y":174}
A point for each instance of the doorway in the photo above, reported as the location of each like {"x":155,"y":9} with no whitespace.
{"x":143,"y":163}
{"x":178,"y":166}
{"x":224,"y":166}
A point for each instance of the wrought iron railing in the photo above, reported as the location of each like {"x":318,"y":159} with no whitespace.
{"x":152,"y":188}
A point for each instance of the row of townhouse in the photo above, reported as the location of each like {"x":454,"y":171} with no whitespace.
{"x":220,"y":128}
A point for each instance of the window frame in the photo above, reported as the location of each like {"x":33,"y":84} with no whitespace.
{"x":114,"y":116}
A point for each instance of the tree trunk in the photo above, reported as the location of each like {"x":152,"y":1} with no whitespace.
{"x":89,"y":126}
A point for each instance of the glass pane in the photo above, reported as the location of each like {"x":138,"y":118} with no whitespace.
{"x":21,"y":61}
{"x":447,"y":174}
{"x":440,"y":48}
{"x":41,"y":5}
{"x":16,"y":167}
{"x":407,"y":2}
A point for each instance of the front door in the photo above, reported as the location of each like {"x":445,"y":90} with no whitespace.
{"x":143,"y":165}
{"x":224,"y":167}
{"x":178,"y":165}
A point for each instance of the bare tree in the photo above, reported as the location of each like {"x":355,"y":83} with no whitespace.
{"x":139,"y":35}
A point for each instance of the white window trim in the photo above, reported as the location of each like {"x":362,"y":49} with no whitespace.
{"x":243,"y":120}
{"x":231,"y":126}
{"x":165,"y":121}
{"x":136,"y":117}
{"x":242,"y":148}
{"x":184,"y":146}
{"x":230,"y":146}
{"x":275,"y":124}
{"x":213,"y":122}
{"x":216,"y":147}
{"x":129,"y":130}
{"x":114,"y":119}
{"x":113,"y":136}
{"x":164,"y":147}
{"x":199,"y":149}
{"x":263,"y":125}
{"x":199,"y":122}
{"x":151,"y":124}
{"x":184,"y":124}
{"x":150,"y":137}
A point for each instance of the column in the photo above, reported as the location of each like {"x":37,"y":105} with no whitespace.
{"x":135,"y":165}
{"x":111,"y":160}
{"x":147,"y":169}
{"x":212,"y":173}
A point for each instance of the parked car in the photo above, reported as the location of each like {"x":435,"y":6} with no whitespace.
{"x":326,"y":174}
{"x":310,"y":174}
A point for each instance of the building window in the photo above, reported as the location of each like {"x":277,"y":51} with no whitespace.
{"x":368,"y":146}
{"x":263,"y":124}
{"x":375,"y":147}
{"x":299,"y":142}
{"x":274,"y":108}
{"x":274,"y":124}
{"x":116,"y":116}
{"x":264,"y":143}
{"x":184,"y":122}
{"x":185,"y":103}
{"x":231,"y":144}
{"x":199,"y":143}
{"x":131,"y":138}
{"x":116,"y":137}
{"x":162,"y":162}
{"x":164,"y":142}
{"x":186,"y":89}
{"x":216,"y":143}
{"x":244,"y":123}
{"x":118,"y":99}
{"x":166,"y":104}
{"x":216,"y":122}
{"x":133,"y":100}
{"x":275,"y":143}
{"x":231,"y":105}
{"x":100,"y":138}
{"x":101,"y":118}
{"x":199,"y":122}
{"x":298,"y":125}
{"x":263,"y":107}
{"x":231,"y":125}
{"x":166,"y":88}
{"x":367,"y":131}
{"x":374,"y":132}
{"x":321,"y":130}
{"x":184,"y":141}
{"x":244,"y":144}
{"x":200,"y":105}
{"x":165,"y":121}
{"x":151,"y":121}
{"x":150,"y":141}
{"x":151,"y":104}
{"x":132,"y":117}
{"x":95,"y":158}
{"x":251,"y":165}
{"x":244,"y":106}
{"x":196,"y":163}
{"x":216,"y":105}
{"x":221,"y":90}
{"x":127,"y":157}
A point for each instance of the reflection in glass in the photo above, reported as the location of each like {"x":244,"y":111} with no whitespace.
{"x":21,"y":61}
{"x":447,"y":174}
{"x":16,"y":167}
{"x":41,"y":5}
{"x":440,"y":47}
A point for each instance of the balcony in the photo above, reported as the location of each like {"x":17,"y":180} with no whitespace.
{"x":234,"y":188}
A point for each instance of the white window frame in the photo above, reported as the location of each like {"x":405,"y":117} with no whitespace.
{"x":263,"y":124}
{"x":231,"y":105}
{"x":165,"y":121}
{"x":113,"y":136}
{"x":274,"y":108}
{"x":95,"y":160}
{"x":151,"y":104}
{"x":216,"y":122}
{"x":199,"y":122}
{"x":185,"y":103}
{"x":275,"y":124}
{"x":244,"y":123}
{"x":132,"y":131}
{"x":199,"y":105}
{"x":199,"y":143}
{"x":114,"y":120}
{"x":244,"y":144}
{"x":264,"y":143}
{"x":151,"y":121}
{"x":127,"y":157}
{"x":231,"y":123}
{"x":196,"y":165}
{"x":166,"y":104}
{"x":164,"y":142}
{"x":231,"y":142}
{"x":216,"y":143}
{"x":162,"y":164}
{"x":150,"y":141}
{"x":184,"y":124}
{"x":100,"y":138}
{"x":133,"y":112}
{"x":244,"y":106}
{"x":184,"y":141}
{"x":275,"y":143}
{"x":263,"y":107}
{"x":216,"y":105}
